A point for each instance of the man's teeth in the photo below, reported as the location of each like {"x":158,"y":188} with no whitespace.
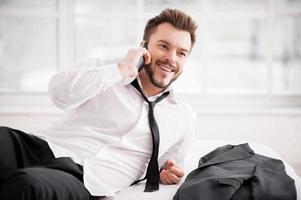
{"x":165,"y":68}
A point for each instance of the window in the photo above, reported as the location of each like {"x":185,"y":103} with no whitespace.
{"x":245,"y":48}
{"x":28,"y":45}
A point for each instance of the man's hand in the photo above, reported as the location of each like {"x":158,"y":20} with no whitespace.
{"x":127,"y":66}
{"x":171,"y":173}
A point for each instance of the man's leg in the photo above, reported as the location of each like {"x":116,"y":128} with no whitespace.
{"x":37,"y":183}
{"x":18,"y":150}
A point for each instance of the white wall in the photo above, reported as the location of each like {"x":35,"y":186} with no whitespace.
{"x":282,"y":132}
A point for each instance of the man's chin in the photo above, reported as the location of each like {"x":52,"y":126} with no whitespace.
{"x":161,"y":84}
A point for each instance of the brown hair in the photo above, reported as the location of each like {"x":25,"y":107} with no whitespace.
{"x":175,"y":17}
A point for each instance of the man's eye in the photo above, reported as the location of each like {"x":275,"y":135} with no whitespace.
{"x":182,"y":54}
{"x":163,"y":46}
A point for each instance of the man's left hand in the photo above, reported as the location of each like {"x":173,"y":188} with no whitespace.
{"x":171,"y":173}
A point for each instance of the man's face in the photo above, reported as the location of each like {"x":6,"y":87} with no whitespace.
{"x":169,"y":48}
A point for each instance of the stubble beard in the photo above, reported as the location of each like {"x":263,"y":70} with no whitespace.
{"x":150,"y":74}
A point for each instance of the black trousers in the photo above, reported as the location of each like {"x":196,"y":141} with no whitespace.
{"x":29,"y":170}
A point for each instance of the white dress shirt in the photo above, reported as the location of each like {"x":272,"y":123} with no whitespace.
{"x":106,"y":127}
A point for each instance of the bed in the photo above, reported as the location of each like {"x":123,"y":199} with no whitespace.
{"x":199,"y":149}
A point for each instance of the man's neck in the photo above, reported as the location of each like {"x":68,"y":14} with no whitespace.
{"x":147,"y":85}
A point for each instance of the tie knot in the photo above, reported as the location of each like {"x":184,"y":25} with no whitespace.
{"x":151,"y":104}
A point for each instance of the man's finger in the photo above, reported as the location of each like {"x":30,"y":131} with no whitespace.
{"x":167,"y":177}
{"x":164,"y":178}
{"x":147,"y":56}
{"x":177,"y":171}
{"x":168,"y":164}
{"x":174,"y":178}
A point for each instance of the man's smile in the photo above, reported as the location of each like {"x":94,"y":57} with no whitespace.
{"x":166,"y":67}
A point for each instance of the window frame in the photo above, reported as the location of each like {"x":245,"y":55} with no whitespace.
{"x":204,"y":102}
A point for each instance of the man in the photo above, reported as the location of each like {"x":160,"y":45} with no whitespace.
{"x":110,"y":135}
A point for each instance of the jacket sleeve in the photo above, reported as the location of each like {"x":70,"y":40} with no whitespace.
{"x":70,"y":89}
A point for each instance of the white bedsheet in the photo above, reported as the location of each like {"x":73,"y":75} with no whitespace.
{"x":199,"y":149}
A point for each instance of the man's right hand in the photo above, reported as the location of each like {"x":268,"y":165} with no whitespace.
{"x":127,"y":66}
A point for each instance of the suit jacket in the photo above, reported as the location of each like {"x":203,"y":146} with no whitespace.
{"x":237,"y":173}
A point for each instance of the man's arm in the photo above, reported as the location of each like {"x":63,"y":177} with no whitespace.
{"x":172,"y":161}
{"x":70,"y":89}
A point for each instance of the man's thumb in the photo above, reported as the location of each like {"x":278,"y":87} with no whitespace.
{"x":169,"y":163}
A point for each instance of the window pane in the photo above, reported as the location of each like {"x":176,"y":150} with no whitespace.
{"x":157,"y":6}
{"x":287,"y":54}
{"x":238,"y":5}
{"x":108,"y":41}
{"x":104,"y":6}
{"x":236,"y":60}
{"x":28,"y":4}
{"x":27,"y":53}
{"x":288,"y":4}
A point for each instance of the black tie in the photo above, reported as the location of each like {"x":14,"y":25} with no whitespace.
{"x":152,"y":174}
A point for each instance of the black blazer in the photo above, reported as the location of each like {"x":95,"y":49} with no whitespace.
{"x":237,"y":173}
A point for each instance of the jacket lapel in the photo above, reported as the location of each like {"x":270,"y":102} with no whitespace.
{"x":238,"y":152}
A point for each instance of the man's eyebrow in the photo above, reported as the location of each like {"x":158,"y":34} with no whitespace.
{"x":166,"y":42}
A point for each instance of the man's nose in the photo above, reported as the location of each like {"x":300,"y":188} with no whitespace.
{"x":171,"y":56}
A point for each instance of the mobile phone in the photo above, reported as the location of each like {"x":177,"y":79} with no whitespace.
{"x":141,"y":60}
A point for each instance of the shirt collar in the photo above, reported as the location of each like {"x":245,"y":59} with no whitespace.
{"x":151,"y":98}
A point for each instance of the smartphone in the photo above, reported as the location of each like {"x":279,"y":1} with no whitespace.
{"x":141,"y":60}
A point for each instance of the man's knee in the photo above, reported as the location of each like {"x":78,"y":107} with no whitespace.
{"x":6,"y":134}
{"x":22,"y":186}
{"x":31,"y":184}
{"x":3,"y":128}
{"x":4,"y":131}
{"x":8,"y":161}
